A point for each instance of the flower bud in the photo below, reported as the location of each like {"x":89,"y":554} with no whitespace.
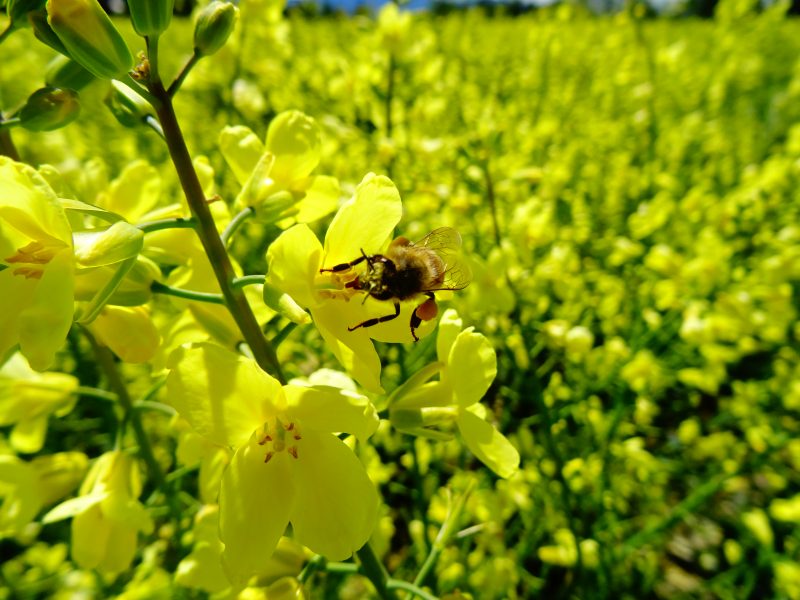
{"x":63,"y":72}
{"x":90,"y":37}
{"x":150,"y":17}
{"x":18,"y":11}
{"x":49,"y":108}
{"x":284,"y":305}
{"x":44,"y":33}
{"x":128,"y":108}
{"x":213,"y":27}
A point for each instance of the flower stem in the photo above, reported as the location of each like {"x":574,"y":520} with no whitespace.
{"x":187,"y":68}
{"x":179,"y":223}
{"x":92,"y":392}
{"x":235,"y":300}
{"x":105,"y":359}
{"x":7,"y":147}
{"x":241,"y":282}
{"x":374,"y":571}
{"x":167,"y":290}
{"x":236,"y":223}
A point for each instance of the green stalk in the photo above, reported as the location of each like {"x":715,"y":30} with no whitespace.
{"x":105,"y":359}
{"x":179,"y":223}
{"x":187,"y":68}
{"x":236,"y":222}
{"x":235,"y":300}
{"x":372,"y":568}
{"x":246,"y":280}
{"x":167,"y":290}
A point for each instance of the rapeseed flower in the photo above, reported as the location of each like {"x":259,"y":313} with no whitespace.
{"x":467,"y":366}
{"x":106,"y":515}
{"x":288,"y":466}
{"x":39,"y":258}
{"x":364,"y":224}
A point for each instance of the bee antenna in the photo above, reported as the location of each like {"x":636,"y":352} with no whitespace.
{"x":366,"y":258}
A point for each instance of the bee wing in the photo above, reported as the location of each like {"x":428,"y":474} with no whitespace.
{"x":446,"y":243}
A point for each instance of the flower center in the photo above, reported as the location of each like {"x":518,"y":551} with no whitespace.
{"x":32,"y":258}
{"x":280,"y":437}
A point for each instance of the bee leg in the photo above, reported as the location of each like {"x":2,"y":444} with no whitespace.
{"x":424,"y":312}
{"x":345,"y":266}
{"x":376,"y":320}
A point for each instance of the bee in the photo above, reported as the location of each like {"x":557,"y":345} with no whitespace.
{"x":407,"y":270}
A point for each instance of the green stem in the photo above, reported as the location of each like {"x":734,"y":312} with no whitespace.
{"x":9,"y":123}
{"x":176,"y":85}
{"x":241,"y":282}
{"x":178,"y":223}
{"x":105,"y":359}
{"x":373,"y":570}
{"x":283,"y":334}
{"x":236,"y":222}
{"x":92,"y":392}
{"x":7,"y":147}
{"x":167,"y":290}
{"x":235,"y":299}
{"x":398,"y":584}
{"x":155,"y":406}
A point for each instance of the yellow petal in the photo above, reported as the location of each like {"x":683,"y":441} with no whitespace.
{"x":224,"y":396}
{"x":17,"y":295}
{"x":365,"y":222}
{"x":332,"y":410}
{"x":294,"y":262}
{"x":490,"y":446}
{"x":294,"y":139}
{"x":336,"y":505}
{"x":121,"y":548}
{"x":241,"y":149}
{"x":450,"y":326}
{"x":45,"y":323}
{"x":321,"y":198}
{"x":128,"y":331}
{"x":353,"y":349}
{"x":255,"y":500}
{"x":90,"y":537}
{"x":135,"y":192}
{"x":472,"y":366}
{"x":29,"y":205}
{"x":28,"y":435}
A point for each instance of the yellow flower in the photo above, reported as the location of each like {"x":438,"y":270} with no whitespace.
{"x":39,"y":257}
{"x":106,"y":515}
{"x":27,"y":487}
{"x":28,"y":398}
{"x":467,"y":366}
{"x":202,"y":569}
{"x":288,"y":465}
{"x":276,"y":177}
{"x":364,"y":224}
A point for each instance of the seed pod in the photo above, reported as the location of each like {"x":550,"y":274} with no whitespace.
{"x":49,"y":108}
{"x":213,"y":27}
{"x":90,"y":37}
{"x":150,"y":17}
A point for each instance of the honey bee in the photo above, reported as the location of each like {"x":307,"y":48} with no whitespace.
{"x":409,"y":269}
